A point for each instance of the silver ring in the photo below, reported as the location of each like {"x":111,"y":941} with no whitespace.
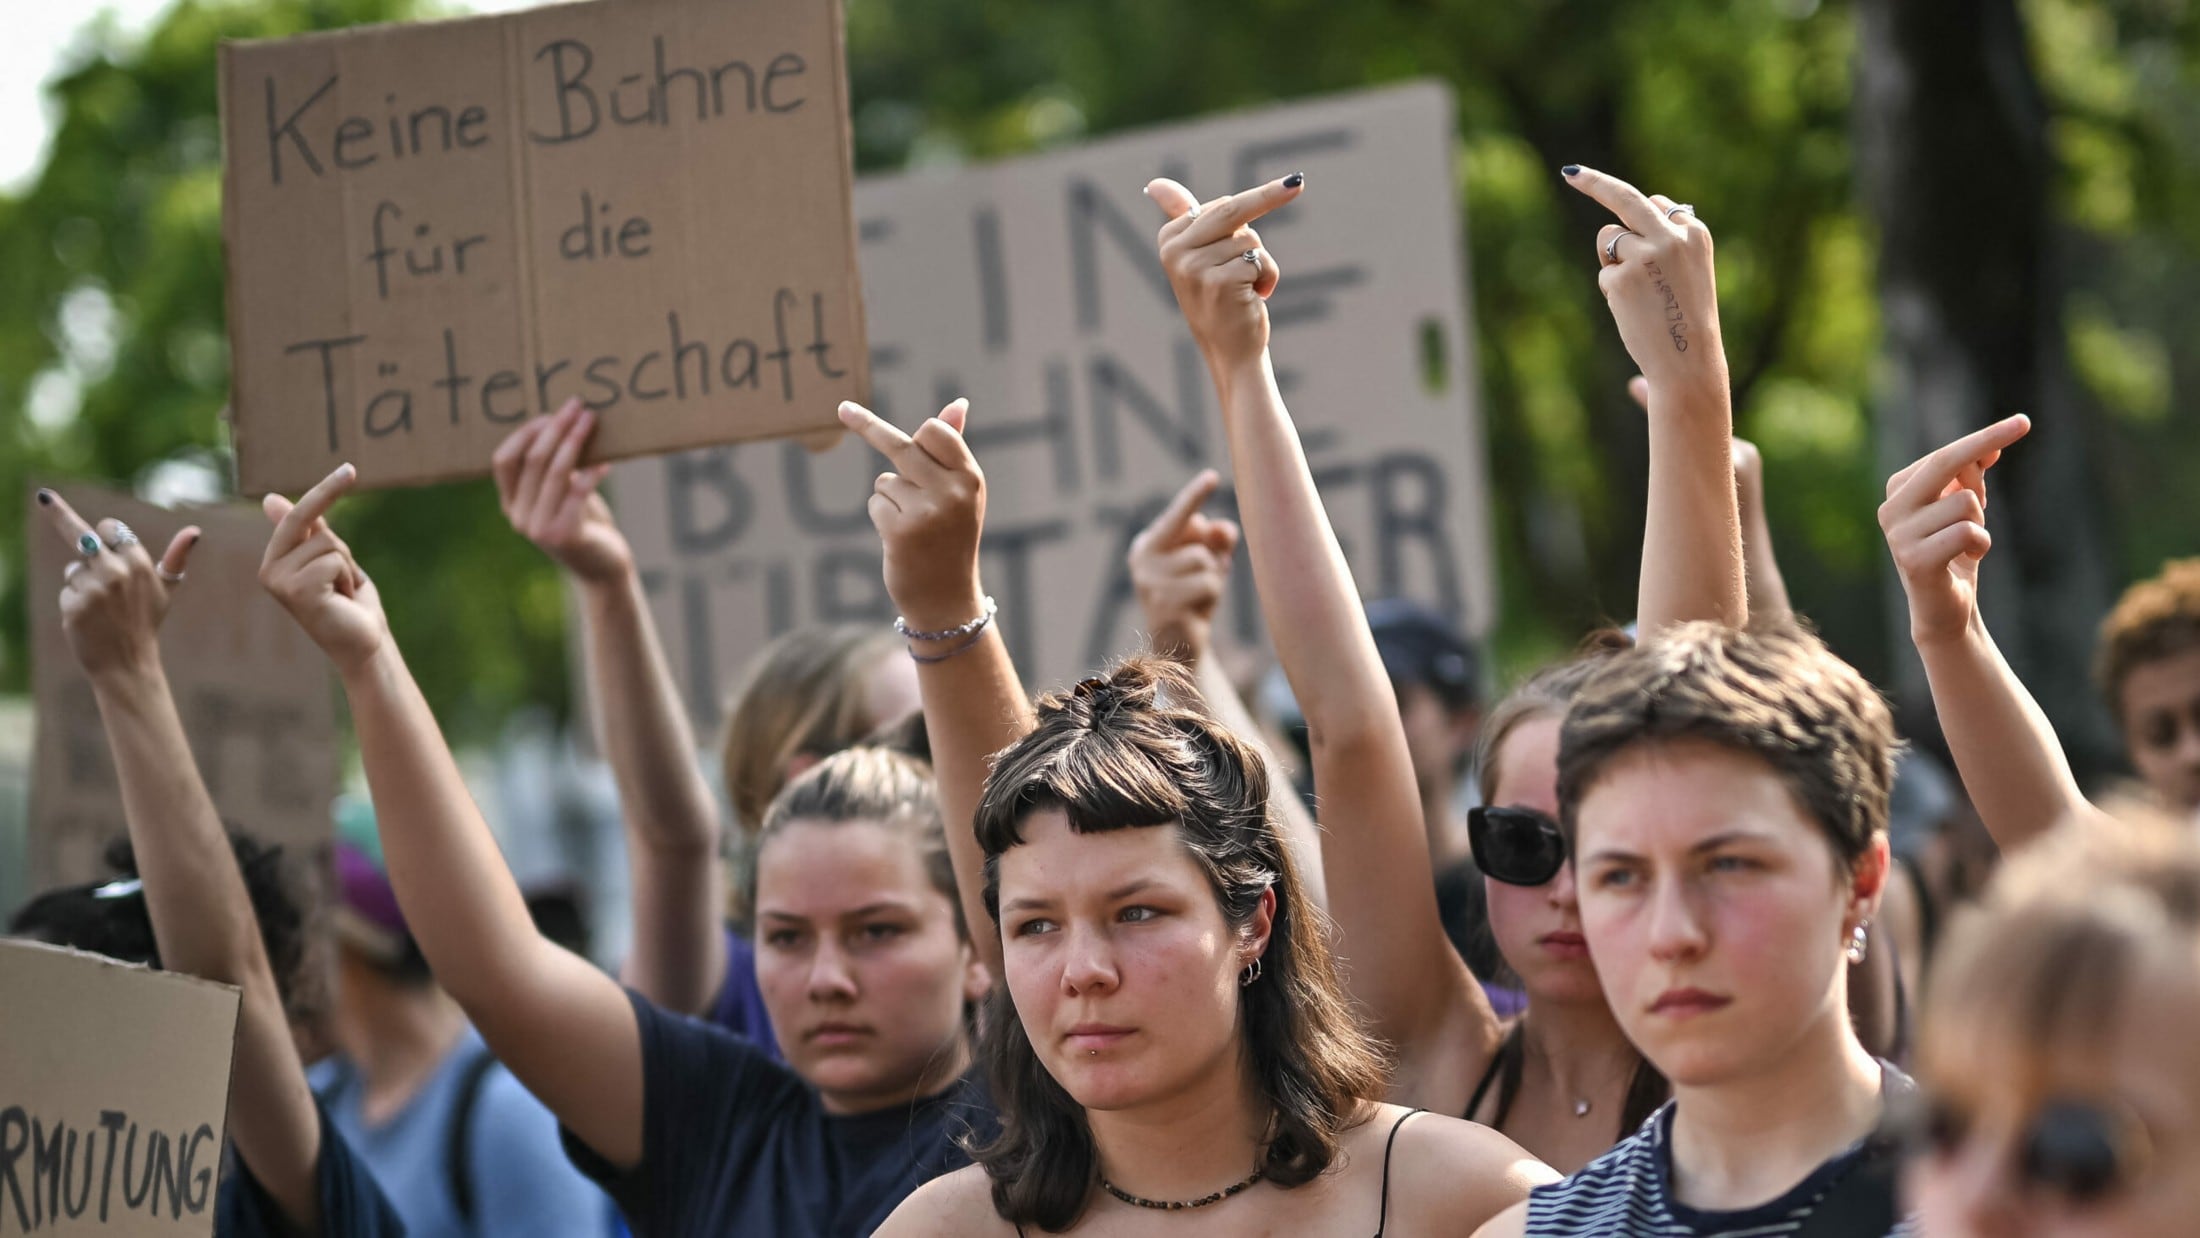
{"x":1252,"y":256}
{"x":89,"y":545}
{"x":1192,"y":214}
{"x":1611,"y":247}
{"x":171,"y":578}
{"x":1676,"y":209}
{"x":124,"y":536}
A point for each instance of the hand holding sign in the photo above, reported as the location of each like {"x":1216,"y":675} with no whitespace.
{"x":1180,"y":565}
{"x":553,"y":502}
{"x":312,"y":573}
{"x":1657,"y":277}
{"x":1221,"y":274}
{"x":114,"y":597}
{"x":1935,"y":522}
{"x":929,"y":514}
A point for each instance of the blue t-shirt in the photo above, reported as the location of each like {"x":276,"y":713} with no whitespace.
{"x":352,"y":1205}
{"x":734,"y":1142}
{"x":522,"y":1185}
{"x":739,"y":1006}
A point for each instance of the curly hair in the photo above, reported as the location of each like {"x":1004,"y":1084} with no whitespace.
{"x":1776,"y":693}
{"x":2154,"y":619}
{"x":1131,"y":749}
{"x":109,"y":916}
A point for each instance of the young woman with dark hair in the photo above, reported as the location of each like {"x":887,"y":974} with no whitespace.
{"x":1179,"y":1042}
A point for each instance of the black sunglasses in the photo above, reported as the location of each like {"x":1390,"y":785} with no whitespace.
{"x":1518,"y":846}
{"x":2081,"y":1151}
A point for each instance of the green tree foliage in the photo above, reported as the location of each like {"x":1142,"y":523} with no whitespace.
{"x":110,"y":265}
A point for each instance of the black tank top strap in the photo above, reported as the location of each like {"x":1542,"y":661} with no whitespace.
{"x":1382,"y":1220}
{"x":1489,"y":1076}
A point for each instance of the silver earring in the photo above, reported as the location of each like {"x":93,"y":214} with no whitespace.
{"x":1250,"y":974}
{"x":1858,"y":944}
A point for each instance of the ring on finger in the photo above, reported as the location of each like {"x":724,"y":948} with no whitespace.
{"x":1192,"y":214}
{"x":1677,"y":208}
{"x":89,"y":545}
{"x":173,"y":578}
{"x":1611,"y":247}
{"x":1252,"y":256}
{"x":124,"y":536}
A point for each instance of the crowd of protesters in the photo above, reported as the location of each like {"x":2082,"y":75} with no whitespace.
{"x":1677,"y":937}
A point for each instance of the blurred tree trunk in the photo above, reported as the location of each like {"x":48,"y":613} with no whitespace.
{"x":1957,"y":180}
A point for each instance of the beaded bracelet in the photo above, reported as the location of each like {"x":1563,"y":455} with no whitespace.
{"x":976,"y":625}
{"x":930,"y":658}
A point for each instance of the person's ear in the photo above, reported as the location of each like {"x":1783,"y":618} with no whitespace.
{"x":977,"y":983}
{"x":1869,"y":880}
{"x":1258,"y":928}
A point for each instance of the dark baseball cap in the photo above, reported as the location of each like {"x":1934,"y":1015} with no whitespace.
{"x":1419,"y":645}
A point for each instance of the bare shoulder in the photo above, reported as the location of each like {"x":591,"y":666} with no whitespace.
{"x":1447,"y":1171}
{"x":948,"y":1206}
{"x":1511,"y":1223}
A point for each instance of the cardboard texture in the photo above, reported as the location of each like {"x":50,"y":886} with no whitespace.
{"x":1033,"y":287}
{"x":114,"y":1095}
{"x":437,"y":230}
{"x":253,"y":691}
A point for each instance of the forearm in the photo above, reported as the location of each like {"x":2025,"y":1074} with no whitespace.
{"x":1300,"y":830}
{"x":459,"y":898}
{"x":1692,"y":539}
{"x":204,"y":925}
{"x":1299,"y":570}
{"x":974,"y":706}
{"x":2005,"y":749}
{"x":1767,"y":589}
{"x":1379,"y":881}
{"x":670,"y":820}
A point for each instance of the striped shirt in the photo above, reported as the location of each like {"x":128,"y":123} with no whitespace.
{"x":1627,"y":1193}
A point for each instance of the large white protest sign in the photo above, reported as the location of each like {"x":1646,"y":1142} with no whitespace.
{"x":1033,"y":287}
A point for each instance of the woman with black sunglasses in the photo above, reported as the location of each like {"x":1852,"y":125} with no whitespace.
{"x":2057,"y":1051}
{"x":1564,"y":1081}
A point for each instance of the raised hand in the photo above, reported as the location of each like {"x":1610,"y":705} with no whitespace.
{"x":553,"y":502}
{"x":1935,"y":522}
{"x":312,"y":573}
{"x":929,"y":511}
{"x":1657,"y":277}
{"x":1180,"y":565}
{"x":1216,"y":264}
{"x":114,"y":598}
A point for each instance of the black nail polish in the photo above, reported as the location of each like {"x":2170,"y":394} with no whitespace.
{"x":45,"y":498}
{"x":1571,"y":169}
{"x":1294,"y":180}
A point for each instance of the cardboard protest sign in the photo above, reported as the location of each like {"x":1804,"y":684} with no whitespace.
{"x":252,"y":689}
{"x":1033,"y":287}
{"x":437,"y":230}
{"x":114,"y":1095}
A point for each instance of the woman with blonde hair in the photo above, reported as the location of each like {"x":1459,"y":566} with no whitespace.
{"x":2062,"y":1082}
